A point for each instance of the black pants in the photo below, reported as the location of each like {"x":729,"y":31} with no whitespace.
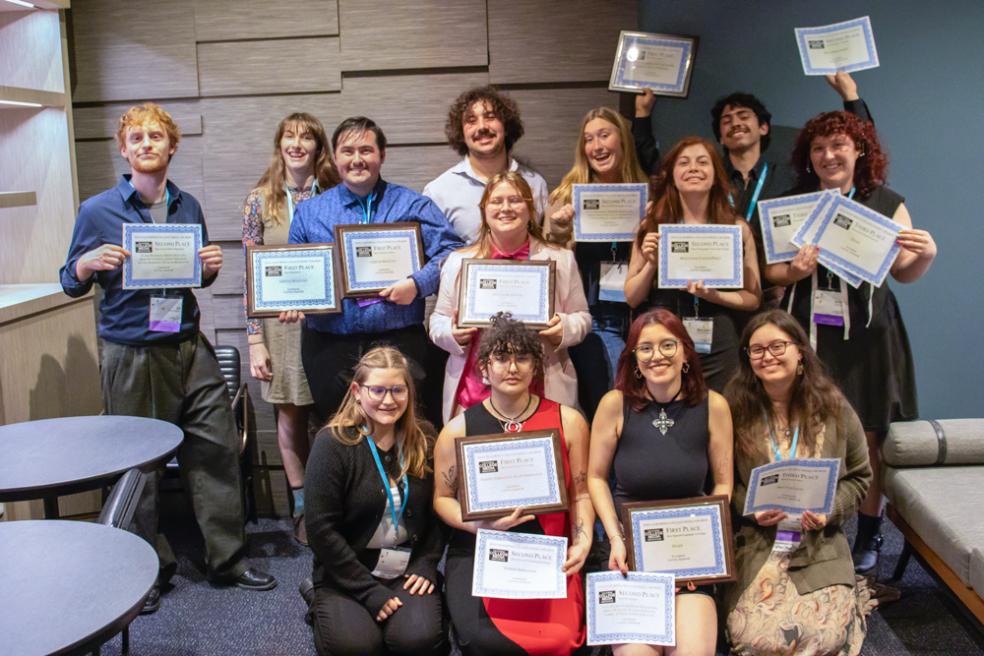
{"x":329,"y":359}
{"x":344,"y":626}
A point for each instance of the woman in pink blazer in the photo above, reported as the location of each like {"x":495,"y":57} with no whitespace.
{"x":510,"y":231}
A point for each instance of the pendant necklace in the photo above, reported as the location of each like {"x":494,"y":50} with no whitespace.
{"x":509,"y":424}
{"x":664,"y":423}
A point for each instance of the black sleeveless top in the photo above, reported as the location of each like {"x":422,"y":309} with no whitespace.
{"x":650,"y":466}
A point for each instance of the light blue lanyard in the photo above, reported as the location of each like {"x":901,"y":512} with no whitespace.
{"x":850,"y":194}
{"x":367,"y":210}
{"x":290,"y":199}
{"x":775,"y":443}
{"x":396,"y":515}
{"x":755,"y":194}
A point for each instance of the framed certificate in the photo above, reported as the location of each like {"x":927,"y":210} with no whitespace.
{"x":162,"y":255}
{"x":780,"y":219}
{"x":639,"y":607}
{"x":793,"y":486}
{"x":523,"y":288}
{"x":689,"y":538}
{"x":295,"y":277}
{"x":608,"y":212}
{"x":847,"y":46}
{"x":712,"y":253}
{"x":661,"y":62}
{"x":519,"y":566}
{"x":499,"y":473}
{"x":858,"y":240}
{"x":375,"y":256}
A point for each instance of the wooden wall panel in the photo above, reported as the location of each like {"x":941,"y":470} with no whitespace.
{"x":230,"y":279}
{"x":30,"y":52}
{"x":552,"y":118}
{"x":415,"y":166}
{"x":227,"y":20}
{"x":101,"y":121}
{"x":126,"y":50}
{"x":240,"y":68}
{"x":396,"y":34}
{"x":555,"y":40}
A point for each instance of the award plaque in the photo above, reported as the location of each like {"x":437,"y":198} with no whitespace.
{"x":661,"y":62}
{"x":376,"y":256}
{"x":296,"y":277}
{"x":525,"y":289}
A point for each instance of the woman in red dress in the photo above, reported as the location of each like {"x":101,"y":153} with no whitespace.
{"x":511,"y":356}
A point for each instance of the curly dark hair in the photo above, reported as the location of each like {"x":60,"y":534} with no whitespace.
{"x":870,"y":170}
{"x":511,"y":337}
{"x":741,"y":99}
{"x":504,"y":107}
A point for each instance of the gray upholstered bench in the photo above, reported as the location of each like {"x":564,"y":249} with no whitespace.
{"x":934,"y":480}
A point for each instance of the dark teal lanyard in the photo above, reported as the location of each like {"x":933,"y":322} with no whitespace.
{"x":755,"y":194}
{"x":367,"y":210}
{"x":405,"y":487}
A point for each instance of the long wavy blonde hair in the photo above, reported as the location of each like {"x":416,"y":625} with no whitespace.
{"x":582,"y":173}
{"x":272,"y":182}
{"x":351,"y":425}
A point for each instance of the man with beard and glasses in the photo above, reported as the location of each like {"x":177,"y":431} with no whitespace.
{"x":483,"y":126}
{"x":155,"y":362}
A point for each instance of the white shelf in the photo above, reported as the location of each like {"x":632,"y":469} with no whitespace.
{"x":18,"y":199}
{"x":22,"y":95}
{"x":22,"y":300}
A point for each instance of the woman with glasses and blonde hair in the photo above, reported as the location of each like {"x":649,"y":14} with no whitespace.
{"x":511,"y":357}
{"x":370,"y":519}
{"x":300,"y":168}
{"x":509,"y":231}
{"x":799,"y":599}
{"x":660,"y":432}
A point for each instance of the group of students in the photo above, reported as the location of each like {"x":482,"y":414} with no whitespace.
{"x":698,"y":389}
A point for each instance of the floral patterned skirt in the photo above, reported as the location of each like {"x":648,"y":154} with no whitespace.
{"x":772,"y":618}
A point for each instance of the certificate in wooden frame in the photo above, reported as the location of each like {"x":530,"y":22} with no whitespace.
{"x":343,"y":234}
{"x":628,"y":42}
{"x":471,"y":507}
{"x":327,"y":253}
{"x":543,"y":310}
{"x":724,"y":547}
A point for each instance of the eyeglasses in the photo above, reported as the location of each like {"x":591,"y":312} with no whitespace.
{"x":776,"y":348}
{"x":503,"y":360}
{"x":646,"y":351}
{"x":378,"y":392}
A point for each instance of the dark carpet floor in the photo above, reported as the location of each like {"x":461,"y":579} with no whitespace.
{"x":198,"y":619}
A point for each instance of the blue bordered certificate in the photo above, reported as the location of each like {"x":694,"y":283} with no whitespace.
{"x":293,"y":277}
{"x":689,"y":538}
{"x":711,"y":253}
{"x":376,"y":256}
{"x":525,"y":289}
{"x":608,"y":212}
{"x":780,"y":219}
{"x":639,"y":607}
{"x":661,"y":62}
{"x":807,"y":234}
{"x":162,"y":255}
{"x":519,"y":566}
{"x":499,"y":473}
{"x":848,"y":46}
{"x":793,"y":486}
{"x":858,"y":240}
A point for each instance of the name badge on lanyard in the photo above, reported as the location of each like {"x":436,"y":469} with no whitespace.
{"x":828,"y":308}
{"x":700,"y":330}
{"x":612,"y":282}
{"x":392,"y":561}
{"x":165,"y":313}
{"x":788,"y":534}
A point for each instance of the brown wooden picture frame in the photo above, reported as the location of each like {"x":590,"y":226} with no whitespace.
{"x":724,"y":509}
{"x":621,"y":52}
{"x":468,"y":513}
{"x":251,"y":251}
{"x":463,"y":319}
{"x":342,"y":233}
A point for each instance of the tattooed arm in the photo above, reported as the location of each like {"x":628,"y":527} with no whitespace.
{"x":579,"y":501}
{"x":721,"y":447}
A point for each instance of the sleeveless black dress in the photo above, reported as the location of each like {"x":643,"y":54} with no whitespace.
{"x":873,"y":367}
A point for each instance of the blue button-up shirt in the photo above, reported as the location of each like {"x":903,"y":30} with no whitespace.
{"x":124,"y":314}
{"x":314,"y":223}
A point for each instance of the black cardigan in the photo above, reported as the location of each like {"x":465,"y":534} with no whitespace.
{"x":344,"y":501}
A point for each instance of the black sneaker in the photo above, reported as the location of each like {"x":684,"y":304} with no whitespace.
{"x":866,"y":557}
{"x":152,"y":602}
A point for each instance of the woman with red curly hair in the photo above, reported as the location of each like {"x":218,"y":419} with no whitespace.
{"x":862,"y":339}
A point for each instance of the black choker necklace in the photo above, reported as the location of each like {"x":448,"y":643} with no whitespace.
{"x":509,"y":424}
{"x":663,"y":423}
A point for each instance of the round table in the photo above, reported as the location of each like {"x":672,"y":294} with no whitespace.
{"x":50,"y":457}
{"x":69,"y":586}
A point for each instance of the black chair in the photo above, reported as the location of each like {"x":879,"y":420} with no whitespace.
{"x":242,"y":409}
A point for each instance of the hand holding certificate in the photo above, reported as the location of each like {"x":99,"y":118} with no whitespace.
{"x":793,"y":486}
{"x":847,"y":46}
{"x":608,"y":212}
{"x":525,"y":289}
{"x":710,"y":253}
{"x":639,"y":607}
{"x":780,"y":220}
{"x":519,"y":566}
{"x":661,"y":62}
{"x":162,"y":255}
